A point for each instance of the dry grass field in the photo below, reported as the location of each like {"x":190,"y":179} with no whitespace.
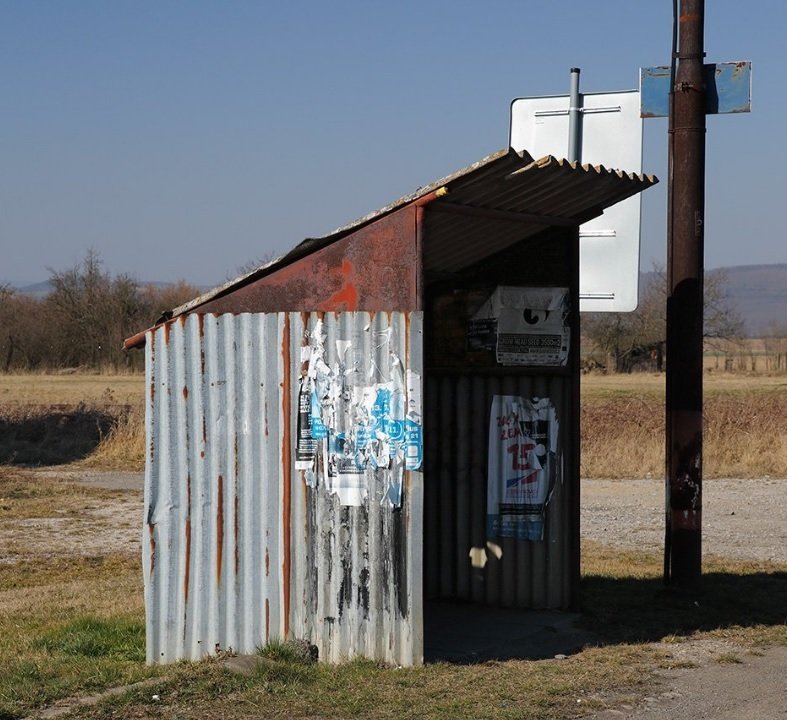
{"x":70,"y":389}
{"x":98,"y":420}
{"x":745,"y":419}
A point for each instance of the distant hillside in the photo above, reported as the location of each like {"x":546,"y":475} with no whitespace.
{"x":759,"y":294}
{"x":39,"y":289}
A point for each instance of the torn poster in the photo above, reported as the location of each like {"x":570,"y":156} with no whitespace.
{"x":522,"y":466}
{"x":349,"y":426}
{"x":524,"y":325}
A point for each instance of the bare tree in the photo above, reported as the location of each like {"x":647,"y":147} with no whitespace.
{"x":92,"y":313}
{"x":630,"y":339}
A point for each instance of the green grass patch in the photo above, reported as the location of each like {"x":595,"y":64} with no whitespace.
{"x":91,"y":637}
{"x":68,"y":627}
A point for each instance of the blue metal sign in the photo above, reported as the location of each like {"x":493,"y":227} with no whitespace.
{"x":727,"y":89}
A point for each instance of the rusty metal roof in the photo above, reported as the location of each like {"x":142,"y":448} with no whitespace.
{"x":506,"y":195}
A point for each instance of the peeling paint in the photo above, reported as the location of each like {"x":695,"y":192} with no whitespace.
{"x":353,"y":420}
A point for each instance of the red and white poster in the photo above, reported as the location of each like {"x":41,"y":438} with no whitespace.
{"x":522,"y":466}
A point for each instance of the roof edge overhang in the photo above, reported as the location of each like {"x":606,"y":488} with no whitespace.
{"x":520,"y":165}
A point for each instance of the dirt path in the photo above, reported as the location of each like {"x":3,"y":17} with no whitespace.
{"x":754,"y":686}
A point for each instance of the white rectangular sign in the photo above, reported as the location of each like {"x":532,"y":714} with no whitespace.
{"x":611,"y":130}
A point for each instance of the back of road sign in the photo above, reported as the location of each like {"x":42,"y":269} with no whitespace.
{"x":611,"y":135}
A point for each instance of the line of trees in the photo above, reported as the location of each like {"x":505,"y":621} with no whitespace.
{"x":83,"y":321}
{"x":621,"y":342}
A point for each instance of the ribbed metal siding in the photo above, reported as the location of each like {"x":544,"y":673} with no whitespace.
{"x":237,"y":549}
{"x":357,"y":588}
{"x":527,"y":574}
{"x":213,"y":486}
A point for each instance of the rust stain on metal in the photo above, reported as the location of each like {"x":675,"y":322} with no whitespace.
{"x":418,"y":244}
{"x":166,"y":332}
{"x":201,"y":323}
{"x":286,"y":472}
{"x":347,"y":297}
{"x":204,"y":431}
{"x":267,"y":563}
{"x":185,"y":393}
{"x":219,"y":528}
{"x":355,"y":272}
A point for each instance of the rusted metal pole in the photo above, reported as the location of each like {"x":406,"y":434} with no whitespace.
{"x":685,"y":269}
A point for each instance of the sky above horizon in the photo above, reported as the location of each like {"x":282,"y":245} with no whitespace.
{"x":184,"y":140}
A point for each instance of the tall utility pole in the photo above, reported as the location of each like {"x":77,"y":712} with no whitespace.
{"x":685,"y":263}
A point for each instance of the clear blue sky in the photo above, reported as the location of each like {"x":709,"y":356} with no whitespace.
{"x":184,"y":139}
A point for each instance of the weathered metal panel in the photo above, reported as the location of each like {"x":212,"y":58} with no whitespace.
{"x":214,"y":545}
{"x":241,"y":546}
{"x":372,"y":269}
{"x":515,"y":573}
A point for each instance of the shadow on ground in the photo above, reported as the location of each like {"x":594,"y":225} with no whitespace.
{"x":621,"y":610}
{"x":614,"y":611}
{"x":464,"y":633}
{"x":52,"y":436}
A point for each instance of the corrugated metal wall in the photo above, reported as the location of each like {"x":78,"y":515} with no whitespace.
{"x":214,"y":549}
{"x":238,"y":549}
{"x":528,"y":574}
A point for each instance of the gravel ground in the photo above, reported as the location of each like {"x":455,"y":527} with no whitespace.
{"x":742,"y":519}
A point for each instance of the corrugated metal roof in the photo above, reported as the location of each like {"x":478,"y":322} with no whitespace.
{"x":511,"y":200}
{"x":508,"y":191}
